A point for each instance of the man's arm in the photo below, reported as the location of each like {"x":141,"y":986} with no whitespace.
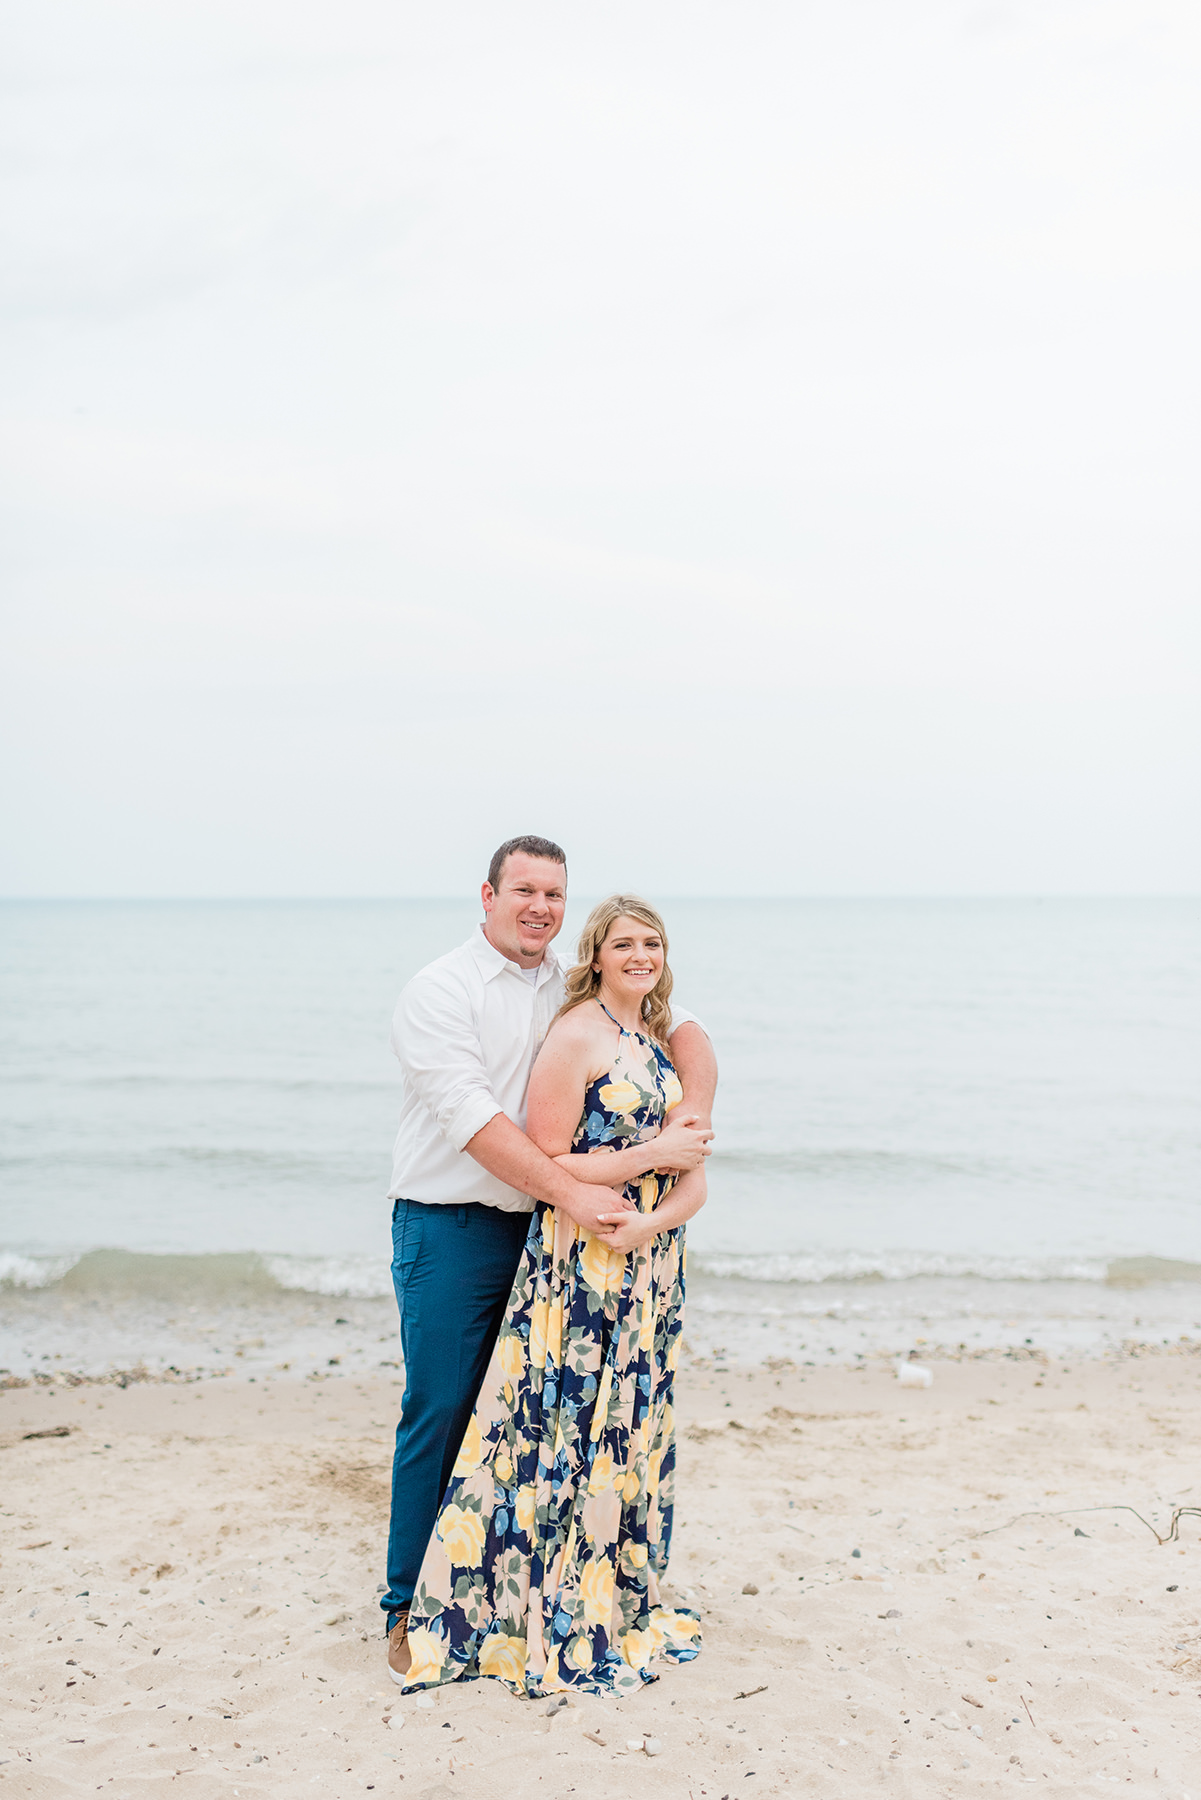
{"x":506,"y":1152}
{"x":696,"y":1066}
{"x":437,"y":1041}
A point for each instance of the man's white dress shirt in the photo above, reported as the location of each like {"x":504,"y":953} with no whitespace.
{"x":467,"y":1029}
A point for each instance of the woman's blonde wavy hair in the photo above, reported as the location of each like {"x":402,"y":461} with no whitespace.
{"x":583,"y":981}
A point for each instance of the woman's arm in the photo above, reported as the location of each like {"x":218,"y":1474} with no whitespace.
{"x":559,"y":1081}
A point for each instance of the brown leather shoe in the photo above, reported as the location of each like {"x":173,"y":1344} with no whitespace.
{"x":400,"y":1657}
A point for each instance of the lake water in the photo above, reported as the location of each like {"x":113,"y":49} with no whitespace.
{"x":955,"y":1121}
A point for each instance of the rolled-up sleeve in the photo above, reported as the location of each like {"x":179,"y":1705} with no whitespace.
{"x":437,"y":1042}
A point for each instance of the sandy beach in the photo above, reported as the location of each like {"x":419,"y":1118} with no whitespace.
{"x":189,"y":1574}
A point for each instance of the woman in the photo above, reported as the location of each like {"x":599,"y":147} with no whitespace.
{"x":544,"y":1565}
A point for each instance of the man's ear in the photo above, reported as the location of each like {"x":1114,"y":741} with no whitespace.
{"x":488,"y":896}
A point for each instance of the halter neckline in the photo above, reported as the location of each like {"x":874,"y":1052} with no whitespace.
{"x":624,"y":1029}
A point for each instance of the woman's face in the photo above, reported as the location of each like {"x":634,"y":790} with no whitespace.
{"x":630,"y":961}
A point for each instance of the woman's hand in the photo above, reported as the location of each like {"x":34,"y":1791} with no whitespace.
{"x":630,"y":1230}
{"x":682,"y":1144}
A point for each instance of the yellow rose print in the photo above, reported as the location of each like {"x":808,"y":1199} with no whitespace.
{"x":462,"y":1533}
{"x":580,"y":1653}
{"x":503,"y":1656}
{"x":538,"y":1334}
{"x":601,"y":1267}
{"x":471,"y":1450}
{"x":679,"y":1625}
{"x":652,"y":1471}
{"x":504,"y":1467}
{"x":633,"y":1558}
{"x":636,"y":1648}
{"x":631,"y":1487}
{"x":596,"y":1592}
{"x":601,"y":1478}
{"x":510,"y":1349}
{"x":650,"y":1193}
{"x":672,"y":1358}
{"x":526,"y":1507}
{"x":600,"y":1411}
{"x":426,"y":1651}
{"x":646,"y":1334}
{"x":673,"y":1093}
{"x":554,"y":1334}
{"x":620,"y":1097}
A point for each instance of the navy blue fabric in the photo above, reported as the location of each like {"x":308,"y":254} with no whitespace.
{"x":453,"y":1270}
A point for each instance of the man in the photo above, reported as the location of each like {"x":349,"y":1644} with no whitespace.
{"x":465,"y":1176}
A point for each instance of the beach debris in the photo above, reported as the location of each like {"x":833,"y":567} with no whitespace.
{"x":44,"y":1544}
{"x":596,"y":1738}
{"x":1079,"y":1533}
{"x":635,"y":1743}
{"x":971,"y":1700}
{"x":52,"y":1431}
{"x":652,"y":1747}
{"x":977,"y":1732}
{"x":894,"y":1612}
{"x":557,"y":1705}
{"x":425,"y":1701}
{"x":396,"y":1722}
{"x":914,"y":1375}
{"x":1029,"y":1714}
{"x":1171,"y":1536}
{"x":950,"y":1720}
{"x":856,"y":1553}
{"x":750,"y":1693}
{"x":748,"y":1587}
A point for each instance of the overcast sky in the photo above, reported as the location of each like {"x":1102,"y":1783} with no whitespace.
{"x":756,"y":444}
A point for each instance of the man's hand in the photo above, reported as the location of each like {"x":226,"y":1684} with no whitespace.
{"x":682,"y":1144}
{"x":595,"y":1209}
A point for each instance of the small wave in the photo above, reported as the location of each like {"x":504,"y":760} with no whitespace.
{"x":31,"y":1271}
{"x":859,"y":1164}
{"x":894,"y":1265}
{"x":1137,"y":1271}
{"x":233,"y":1276}
{"x":341,"y":1277}
{"x":248,"y":1276}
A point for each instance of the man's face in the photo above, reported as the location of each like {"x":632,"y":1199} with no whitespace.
{"x":526,"y":911}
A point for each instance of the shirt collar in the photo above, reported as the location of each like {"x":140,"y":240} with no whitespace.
{"x":492,"y":963}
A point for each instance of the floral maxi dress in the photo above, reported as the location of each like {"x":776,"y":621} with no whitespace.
{"x":543,"y":1569}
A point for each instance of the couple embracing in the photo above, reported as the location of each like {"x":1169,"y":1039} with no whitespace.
{"x":551,"y":1147}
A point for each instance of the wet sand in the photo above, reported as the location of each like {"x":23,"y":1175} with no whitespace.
{"x":189,"y":1576}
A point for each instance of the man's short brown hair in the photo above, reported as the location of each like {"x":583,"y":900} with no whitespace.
{"x":529,"y":846}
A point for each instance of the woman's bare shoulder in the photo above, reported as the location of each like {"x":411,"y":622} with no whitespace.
{"x":576,"y":1030}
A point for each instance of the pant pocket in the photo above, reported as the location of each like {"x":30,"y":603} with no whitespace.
{"x":406,"y":1240}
